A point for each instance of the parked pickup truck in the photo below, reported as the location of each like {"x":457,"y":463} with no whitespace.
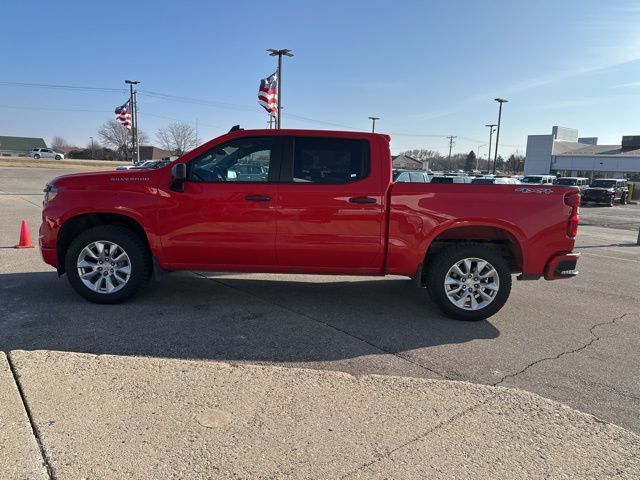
{"x":326,"y":205}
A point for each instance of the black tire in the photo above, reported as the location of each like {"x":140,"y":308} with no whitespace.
{"x":438,"y":268}
{"x":623,"y":199}
{"x":132,"y":244}
{"x":611,"y":201}
{"x":58,"y":157}
{"x":36,"y":156}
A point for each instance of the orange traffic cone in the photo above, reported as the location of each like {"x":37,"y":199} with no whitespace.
{"x":25,"y":236}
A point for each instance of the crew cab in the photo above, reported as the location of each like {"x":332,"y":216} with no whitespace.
{"x":326,"y":204}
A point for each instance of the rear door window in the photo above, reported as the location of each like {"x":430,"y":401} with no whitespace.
{"x":330,"y":160}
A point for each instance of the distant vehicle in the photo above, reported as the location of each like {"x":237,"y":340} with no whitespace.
{"x":145,"y":164}
{"x":451,"y":179}
{"x":247,"y":172}
{"x":151,"y":164}
{"x":496,"y":181}
{"x":606,"y":191}
{"x":46,"y":153}
{"x":581,"y":182}
{"x":539,"y":179}
{"x":410,"y":176}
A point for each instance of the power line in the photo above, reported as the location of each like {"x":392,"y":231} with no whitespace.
{"x":16,"y":107}
{"x":202,"y":102}
{"x":61,"y":87}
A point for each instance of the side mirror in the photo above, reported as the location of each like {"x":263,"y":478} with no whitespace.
{"x":178,"y":177}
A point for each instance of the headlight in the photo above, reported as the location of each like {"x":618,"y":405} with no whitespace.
{"x":50,"y":192}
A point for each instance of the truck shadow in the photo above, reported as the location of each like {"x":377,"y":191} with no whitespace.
{"x":234,"y":318}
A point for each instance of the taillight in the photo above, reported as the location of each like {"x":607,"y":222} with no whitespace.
{"x":573,"y":200}
{"x":572,"y":226}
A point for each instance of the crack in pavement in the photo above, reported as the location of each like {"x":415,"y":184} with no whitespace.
{"x":423,"y":435}
{"x":328,"y":325}
{"x":594,"y":339}
{"x":34,"y":427}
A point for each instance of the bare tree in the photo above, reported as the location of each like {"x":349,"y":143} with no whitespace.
{"x":59,"y":144}
{"x":177,"y":137}
{"x":114,"y":135}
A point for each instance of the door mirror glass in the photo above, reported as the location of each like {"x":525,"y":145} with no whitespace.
{"x":178,"y":177}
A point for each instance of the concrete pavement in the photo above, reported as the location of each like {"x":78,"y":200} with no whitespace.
{"x":123,"y":417}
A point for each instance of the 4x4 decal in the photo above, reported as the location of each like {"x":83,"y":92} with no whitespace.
{"x":545,"y":191}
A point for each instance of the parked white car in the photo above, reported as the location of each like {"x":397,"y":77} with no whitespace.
{"x":46,"y":153}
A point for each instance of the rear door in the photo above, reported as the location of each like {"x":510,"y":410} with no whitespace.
{"x":330,"y":206}
{"x":222,"y":220}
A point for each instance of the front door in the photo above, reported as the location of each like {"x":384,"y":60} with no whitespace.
{"x":226,"y":217}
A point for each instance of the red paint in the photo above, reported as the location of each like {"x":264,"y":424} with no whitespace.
{"x":314,"y":228}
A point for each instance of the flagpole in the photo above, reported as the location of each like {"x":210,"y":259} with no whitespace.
{"x":135,"y":149}
{"x":135,"y":103}
{"x":279,"y":53}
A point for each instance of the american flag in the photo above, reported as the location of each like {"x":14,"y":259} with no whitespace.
{"x":268,"y":94}
{"x":123,"y":114}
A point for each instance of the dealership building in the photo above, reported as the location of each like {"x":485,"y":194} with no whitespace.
{"x":563,"y":152}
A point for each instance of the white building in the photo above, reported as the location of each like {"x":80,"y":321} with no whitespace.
{"x":563,"y":152}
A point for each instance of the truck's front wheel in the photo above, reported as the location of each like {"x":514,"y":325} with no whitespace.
{"x":469,"y":281}
{"x":107,"y":264}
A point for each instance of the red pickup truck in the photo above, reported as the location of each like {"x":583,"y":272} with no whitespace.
{"x":304,"y":201}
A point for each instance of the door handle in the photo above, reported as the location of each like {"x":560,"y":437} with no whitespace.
{"x":362,"y":200}
{"x":257,"y":198}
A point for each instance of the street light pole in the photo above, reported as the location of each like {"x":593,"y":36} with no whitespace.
{"x":373,"y":120}
{"x":279,"y":53}
{"x":478,"y":156}
{"x":135,"y":153}
{"x":495,"y":155}
{"x":91,"y":147}
{"x":491,"y":130}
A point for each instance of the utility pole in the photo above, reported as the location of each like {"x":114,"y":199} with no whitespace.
{"x":373,"y":120}
{"x":279,"y":53}
{"x":451,"y":144}
{"x":495,"y":155}
{"x":135,"y":148}
{"x":491,"y":130}
{"x":91,"y":147}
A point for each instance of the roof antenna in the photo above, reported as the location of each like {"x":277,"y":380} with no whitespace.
{"x":235,"y":128}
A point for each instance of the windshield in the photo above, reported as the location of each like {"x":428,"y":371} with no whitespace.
{"x":567,"y":181}
{"x":604,"y":183}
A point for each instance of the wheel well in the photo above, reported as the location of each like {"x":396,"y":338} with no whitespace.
{"x":497,"y":238}
{"x":75,"y":225}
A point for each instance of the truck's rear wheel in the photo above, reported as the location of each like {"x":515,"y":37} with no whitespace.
{"x":469,"y":281}
{"x":107,"y":264}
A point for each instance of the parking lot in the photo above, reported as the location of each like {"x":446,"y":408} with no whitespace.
{"x":575,"y":341}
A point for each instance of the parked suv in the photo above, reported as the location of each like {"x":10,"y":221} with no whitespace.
{"x":581,"y":182}
{"x":539,"y":180}
{"x":607,"y":191}
{"x":46,"y":153}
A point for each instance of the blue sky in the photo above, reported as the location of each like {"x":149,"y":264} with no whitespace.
{"x":427,"y":68}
